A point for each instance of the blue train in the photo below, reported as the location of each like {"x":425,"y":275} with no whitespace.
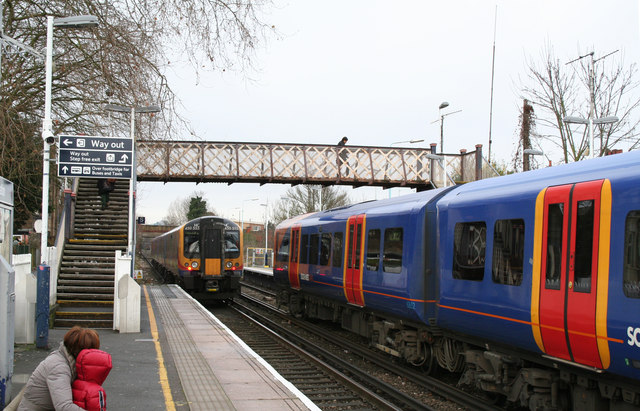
{"x":527,"y":284}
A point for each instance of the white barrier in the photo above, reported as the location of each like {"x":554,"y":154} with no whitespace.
{"x":25,"y":289}
{"x":126,"y":297}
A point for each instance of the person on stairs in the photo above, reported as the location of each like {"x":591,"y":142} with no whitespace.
{"x":105,"y":186}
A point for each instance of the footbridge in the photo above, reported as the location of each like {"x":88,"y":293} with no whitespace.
{"x":233,"y":162}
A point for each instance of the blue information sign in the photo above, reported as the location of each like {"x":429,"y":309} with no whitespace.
{"x":90,"y":156}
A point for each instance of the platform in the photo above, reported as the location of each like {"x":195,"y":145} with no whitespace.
{"x":183,"y":359}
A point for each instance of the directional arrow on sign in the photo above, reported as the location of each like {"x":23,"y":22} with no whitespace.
{"x":123,"y":159}
{"x":65,"y":169}
{"x":67,"y":142}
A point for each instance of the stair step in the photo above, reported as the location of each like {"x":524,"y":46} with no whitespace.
{"x":85,"y":284}
{"x":85,"y":314}
{"x":76,"y":304}
{"x":84,"y":296}
{"x":87,"y":323}
{"x":85,"y":277}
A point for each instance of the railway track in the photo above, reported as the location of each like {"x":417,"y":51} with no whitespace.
{"x":323,"y":384}
{"x":440,"y":388}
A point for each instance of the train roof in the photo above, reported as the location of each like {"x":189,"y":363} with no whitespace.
{"x":397,"y":205}
{"x":531,"y":182}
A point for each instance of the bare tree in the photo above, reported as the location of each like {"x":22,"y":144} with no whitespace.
{"x":558,"y":90}
{"x":178,"y":211}
{"x":122,"y":61}
{"x":307,"y":199}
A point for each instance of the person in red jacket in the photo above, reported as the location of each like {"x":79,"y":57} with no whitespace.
{"x":92,"y":369}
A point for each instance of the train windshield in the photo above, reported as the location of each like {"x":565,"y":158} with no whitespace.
{"x":192,"y":244}
{"x":232,"y":244}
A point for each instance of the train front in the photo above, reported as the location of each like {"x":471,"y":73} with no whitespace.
{"x":212,"y":251}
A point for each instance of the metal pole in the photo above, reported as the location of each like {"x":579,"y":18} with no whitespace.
{"x":132,"y":188}
{"x":442,"y":134}
{"x":46,"y":133}
{"x":591,"y":109}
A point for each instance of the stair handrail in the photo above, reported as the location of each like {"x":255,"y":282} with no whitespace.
{"x":65,"y":231}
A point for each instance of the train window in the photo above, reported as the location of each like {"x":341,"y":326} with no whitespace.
{"x":313,"y":249}
{"x":325,"y":248}
{"x":508,"y":251}
{"x":392,"y":258}
{"x":336,"y":260}
{"x":304,"y":249}
{"x":283,"y":249}
{"x":469,"y":245}
{"x":232,"y":244}
{"x":631,"y":271}
{"x":350,"y":246}
{"x":584,"y":247}
{"x":191,"y":244}
{"x":373,"y":250}
{"x":555,"y":229}
{"x":358,"y":243}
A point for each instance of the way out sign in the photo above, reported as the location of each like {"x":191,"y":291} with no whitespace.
{"x":90,"y":156}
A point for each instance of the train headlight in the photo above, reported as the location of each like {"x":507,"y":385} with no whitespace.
{"x":229,"y":264}
{"x":194,"y":264}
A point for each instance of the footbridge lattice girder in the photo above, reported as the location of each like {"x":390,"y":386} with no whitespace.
{"x":201,"y":161}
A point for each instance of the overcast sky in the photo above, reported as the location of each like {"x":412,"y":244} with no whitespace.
{"x":376,"y":71}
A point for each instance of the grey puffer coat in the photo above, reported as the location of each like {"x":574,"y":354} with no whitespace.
{"x":49,"y":387}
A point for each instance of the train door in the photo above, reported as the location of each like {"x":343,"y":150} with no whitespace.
{"x":353,"y":260}
{"x":212,"y":253}
{"x":568,"y":303}
{"x":294,"y":258}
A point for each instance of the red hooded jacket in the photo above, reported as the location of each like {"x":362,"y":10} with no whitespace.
{"x":92,"y":368}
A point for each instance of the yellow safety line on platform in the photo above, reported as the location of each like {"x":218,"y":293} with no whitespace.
{"x":164,"y":380}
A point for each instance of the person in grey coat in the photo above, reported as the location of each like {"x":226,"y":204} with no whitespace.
{"x":49,"y":387}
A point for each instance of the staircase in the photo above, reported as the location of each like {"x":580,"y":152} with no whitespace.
{"x":86,"y":278}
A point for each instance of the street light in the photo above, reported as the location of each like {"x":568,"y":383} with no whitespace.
{"x":590,"y":122}
{"x":442,"y":105}
{"x":132,"y":182}
{"x":242,"y":212}
{"x":75,"y":22}
{"x":407,"y":141}
{"x":526,"y":153}
{"x":266,"y":230}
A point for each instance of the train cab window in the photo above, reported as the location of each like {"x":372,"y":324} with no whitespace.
{"x":192,"y":244}
{"x":336,"y":259}
{"x":325,"y":249}
{"x":304,"y":249}
{"x":631,"y":270}
{"x":469,"y":245}
{"x":555,"y":216}
{"x":313,"y":249}
{"x":584,"y":247}
{"x":508,"y":251}
{"x":373,"y":249}
{"x":283,"y":248}
{"x":392,"y":257}
{"x":232,"y":244}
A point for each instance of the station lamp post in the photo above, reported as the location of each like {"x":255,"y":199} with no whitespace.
{"x":526,"y":153}
{"x":443,"y":105}
{"x":590,"y":122}
{"x":242,"y":212}
{"x":266,"y":230}
{"x":132,"y":182}
{"x":75,"y":22}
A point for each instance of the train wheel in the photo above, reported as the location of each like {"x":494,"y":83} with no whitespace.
{"x":429,"y":364}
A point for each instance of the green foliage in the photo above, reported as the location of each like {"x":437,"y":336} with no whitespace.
{"x":197,"y":208}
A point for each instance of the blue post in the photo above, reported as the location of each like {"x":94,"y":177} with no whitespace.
{"x":42,"y":307}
